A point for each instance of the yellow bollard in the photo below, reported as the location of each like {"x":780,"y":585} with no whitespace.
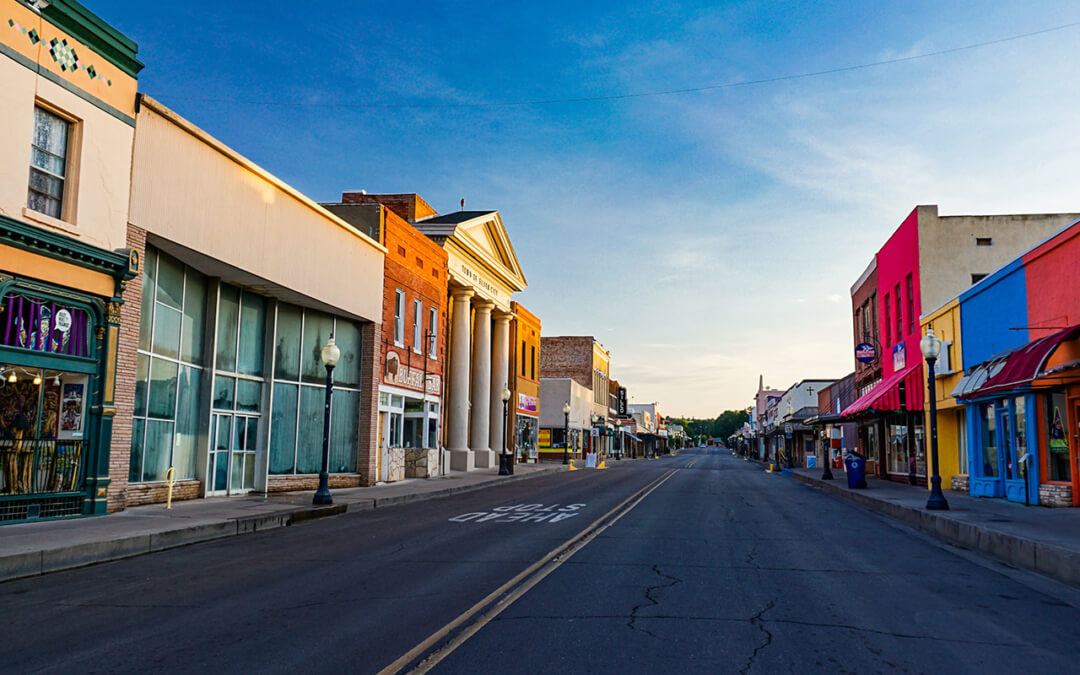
{"x":171,"y":478}
{"x":602,"y":465}
{"x":572,"y":467}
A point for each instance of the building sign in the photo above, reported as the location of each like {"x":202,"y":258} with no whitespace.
{"x":413,"y":378}
{"x":865,"y":353}
{"x":477,"y":280}
{"x":899,"y":357}
{"x":526,"y":403}
{"x":787,"y":431}
{"x":620,"y":401}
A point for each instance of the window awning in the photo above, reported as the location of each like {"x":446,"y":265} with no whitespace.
{"x":1013,"y":368}
{"x":886,"y":396}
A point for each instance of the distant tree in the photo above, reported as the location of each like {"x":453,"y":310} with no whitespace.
{"x":727,"y":423}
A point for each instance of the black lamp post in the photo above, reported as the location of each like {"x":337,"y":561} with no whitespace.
{"x":827,"y":473}
{"x":330,"y":355}
{"x":931,"y":348}
{"x":504,"y":461}
{"x":566,"y":433}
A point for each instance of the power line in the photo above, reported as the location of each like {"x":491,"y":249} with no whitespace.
{"x":646,"y":94}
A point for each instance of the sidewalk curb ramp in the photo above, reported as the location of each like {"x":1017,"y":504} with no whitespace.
{"x":1055,"y":562}
{"x":35,"y":563}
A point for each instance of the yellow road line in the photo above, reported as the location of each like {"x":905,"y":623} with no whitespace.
{"x":553,"y":559}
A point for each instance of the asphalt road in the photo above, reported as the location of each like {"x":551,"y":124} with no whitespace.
{"x":694,"y":563}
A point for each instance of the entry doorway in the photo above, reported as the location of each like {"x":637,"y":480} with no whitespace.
{"x":233,"y":443}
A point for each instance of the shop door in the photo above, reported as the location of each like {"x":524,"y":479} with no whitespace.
{"x":234,"y":439}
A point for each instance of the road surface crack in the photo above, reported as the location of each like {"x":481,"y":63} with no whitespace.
{"x":758,"y":620}
{"x":650,"y":600}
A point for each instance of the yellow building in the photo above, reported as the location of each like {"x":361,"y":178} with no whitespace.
{"x":951,"y":420}
{"x":68,"y":115}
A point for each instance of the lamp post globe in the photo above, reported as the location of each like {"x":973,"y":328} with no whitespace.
{"x":930,"y":346}
{"x":330,"y":354}
{"x":566,"y":432}
{"x":504,"y":461}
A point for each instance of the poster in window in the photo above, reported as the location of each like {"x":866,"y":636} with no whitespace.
{"x":1057,"y":441}
{"x":71,"y":409}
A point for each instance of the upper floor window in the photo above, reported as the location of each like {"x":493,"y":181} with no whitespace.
{"x":48,"y":163}
{"x":433,"y":331}
{"x":399,"y":317}
{"x":910,"y":305}
{"x":899,"y":319}
{"x":532,"y":362}
{"x":888,"y":322}
{"x":418,"y":327}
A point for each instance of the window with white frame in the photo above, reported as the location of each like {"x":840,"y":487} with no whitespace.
{"x":433,"y":323}
{"x":48,"y":163}
{"x":418,"y":327}
{"x":399,"y":317}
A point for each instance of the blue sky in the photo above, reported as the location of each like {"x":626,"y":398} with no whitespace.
{"x":704,"y":238}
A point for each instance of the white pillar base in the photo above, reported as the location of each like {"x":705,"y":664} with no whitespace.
{"x":485,"y":459}
{"x":461,"y":460}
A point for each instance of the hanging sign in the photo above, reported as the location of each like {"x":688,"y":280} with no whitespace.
{"x":899,"y":357}
{"x":865,"y":353}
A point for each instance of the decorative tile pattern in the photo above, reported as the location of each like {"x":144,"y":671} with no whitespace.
{"x":60,"y":51}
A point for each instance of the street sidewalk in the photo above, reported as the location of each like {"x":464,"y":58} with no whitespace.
{"x":1036,"y":538}
{"x":31,"y":549}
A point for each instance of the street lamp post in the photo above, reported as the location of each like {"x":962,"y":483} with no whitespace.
{"x":931,"y":348}
{"x":566,"y":433}
{"x":827,"y":473}
{"x":330,"y":355}
{"x":504,"y":461}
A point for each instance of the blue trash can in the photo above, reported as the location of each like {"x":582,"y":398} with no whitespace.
{"x":856,"y":471}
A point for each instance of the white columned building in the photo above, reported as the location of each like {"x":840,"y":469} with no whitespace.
{"x":484,"y":273}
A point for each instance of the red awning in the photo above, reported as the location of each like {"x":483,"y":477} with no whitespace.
{"x":886,"y":396}
{"x":1013,"y":368}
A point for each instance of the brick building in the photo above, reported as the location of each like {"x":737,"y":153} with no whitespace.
{"x":413,"y":343}
{"x":587,"y":362}
{"x":483,"y":273}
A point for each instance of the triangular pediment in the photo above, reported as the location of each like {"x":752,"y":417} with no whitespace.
{"x":485,"y":237}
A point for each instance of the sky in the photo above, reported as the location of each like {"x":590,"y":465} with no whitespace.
{"x":704,"y":238}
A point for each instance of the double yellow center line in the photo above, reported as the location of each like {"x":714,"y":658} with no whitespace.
{"x":502,"y":597}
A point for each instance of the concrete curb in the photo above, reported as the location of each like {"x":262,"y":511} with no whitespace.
{"x":1060,"y":564}
{"x":37,"y":563}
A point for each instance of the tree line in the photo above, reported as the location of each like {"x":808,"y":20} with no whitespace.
{"x":727,"y":423}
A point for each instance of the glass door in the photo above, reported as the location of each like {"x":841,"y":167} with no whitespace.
{"x":234,"y":440}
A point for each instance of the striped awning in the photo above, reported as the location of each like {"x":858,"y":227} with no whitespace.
{"x":885,"y":397}
{"x":1013,"y":368}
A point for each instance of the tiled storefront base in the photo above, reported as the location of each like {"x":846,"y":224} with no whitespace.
{"x":1055,"y":495}
{"x":311,"y":482}
{"x":960,"y":483}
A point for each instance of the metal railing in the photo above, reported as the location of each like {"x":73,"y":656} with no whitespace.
{"x":40,"y":466}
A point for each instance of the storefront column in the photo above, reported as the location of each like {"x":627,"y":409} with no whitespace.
{"x":500,"y":357}
{"x":481,"y":386}
{"x":457,"y":411}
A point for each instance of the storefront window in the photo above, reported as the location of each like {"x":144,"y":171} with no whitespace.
{"x":988,"y":425}
{"x":1057,"y":441}
{"x":169,"y":370}
{"x":296,"y":416}
{"x":42,"y":325}
{"x":1014,"y":467}
{"x":898,"y":448}
{"x":525,"y":437}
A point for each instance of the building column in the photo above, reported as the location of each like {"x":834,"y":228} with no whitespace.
{"x":457,"y":406}
{"x":500,"y":365}
{"x":479,"y":440}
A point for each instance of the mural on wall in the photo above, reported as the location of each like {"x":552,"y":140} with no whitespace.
{"x":43,"y":326}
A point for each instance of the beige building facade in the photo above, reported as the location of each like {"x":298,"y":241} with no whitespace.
{"x":244,"y":281}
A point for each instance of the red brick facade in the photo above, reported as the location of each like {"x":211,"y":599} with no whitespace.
{"x":407,"y":206}
{"x":124,"y":398}
{"x":568,"y":357}
{"x":417,"y":266}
